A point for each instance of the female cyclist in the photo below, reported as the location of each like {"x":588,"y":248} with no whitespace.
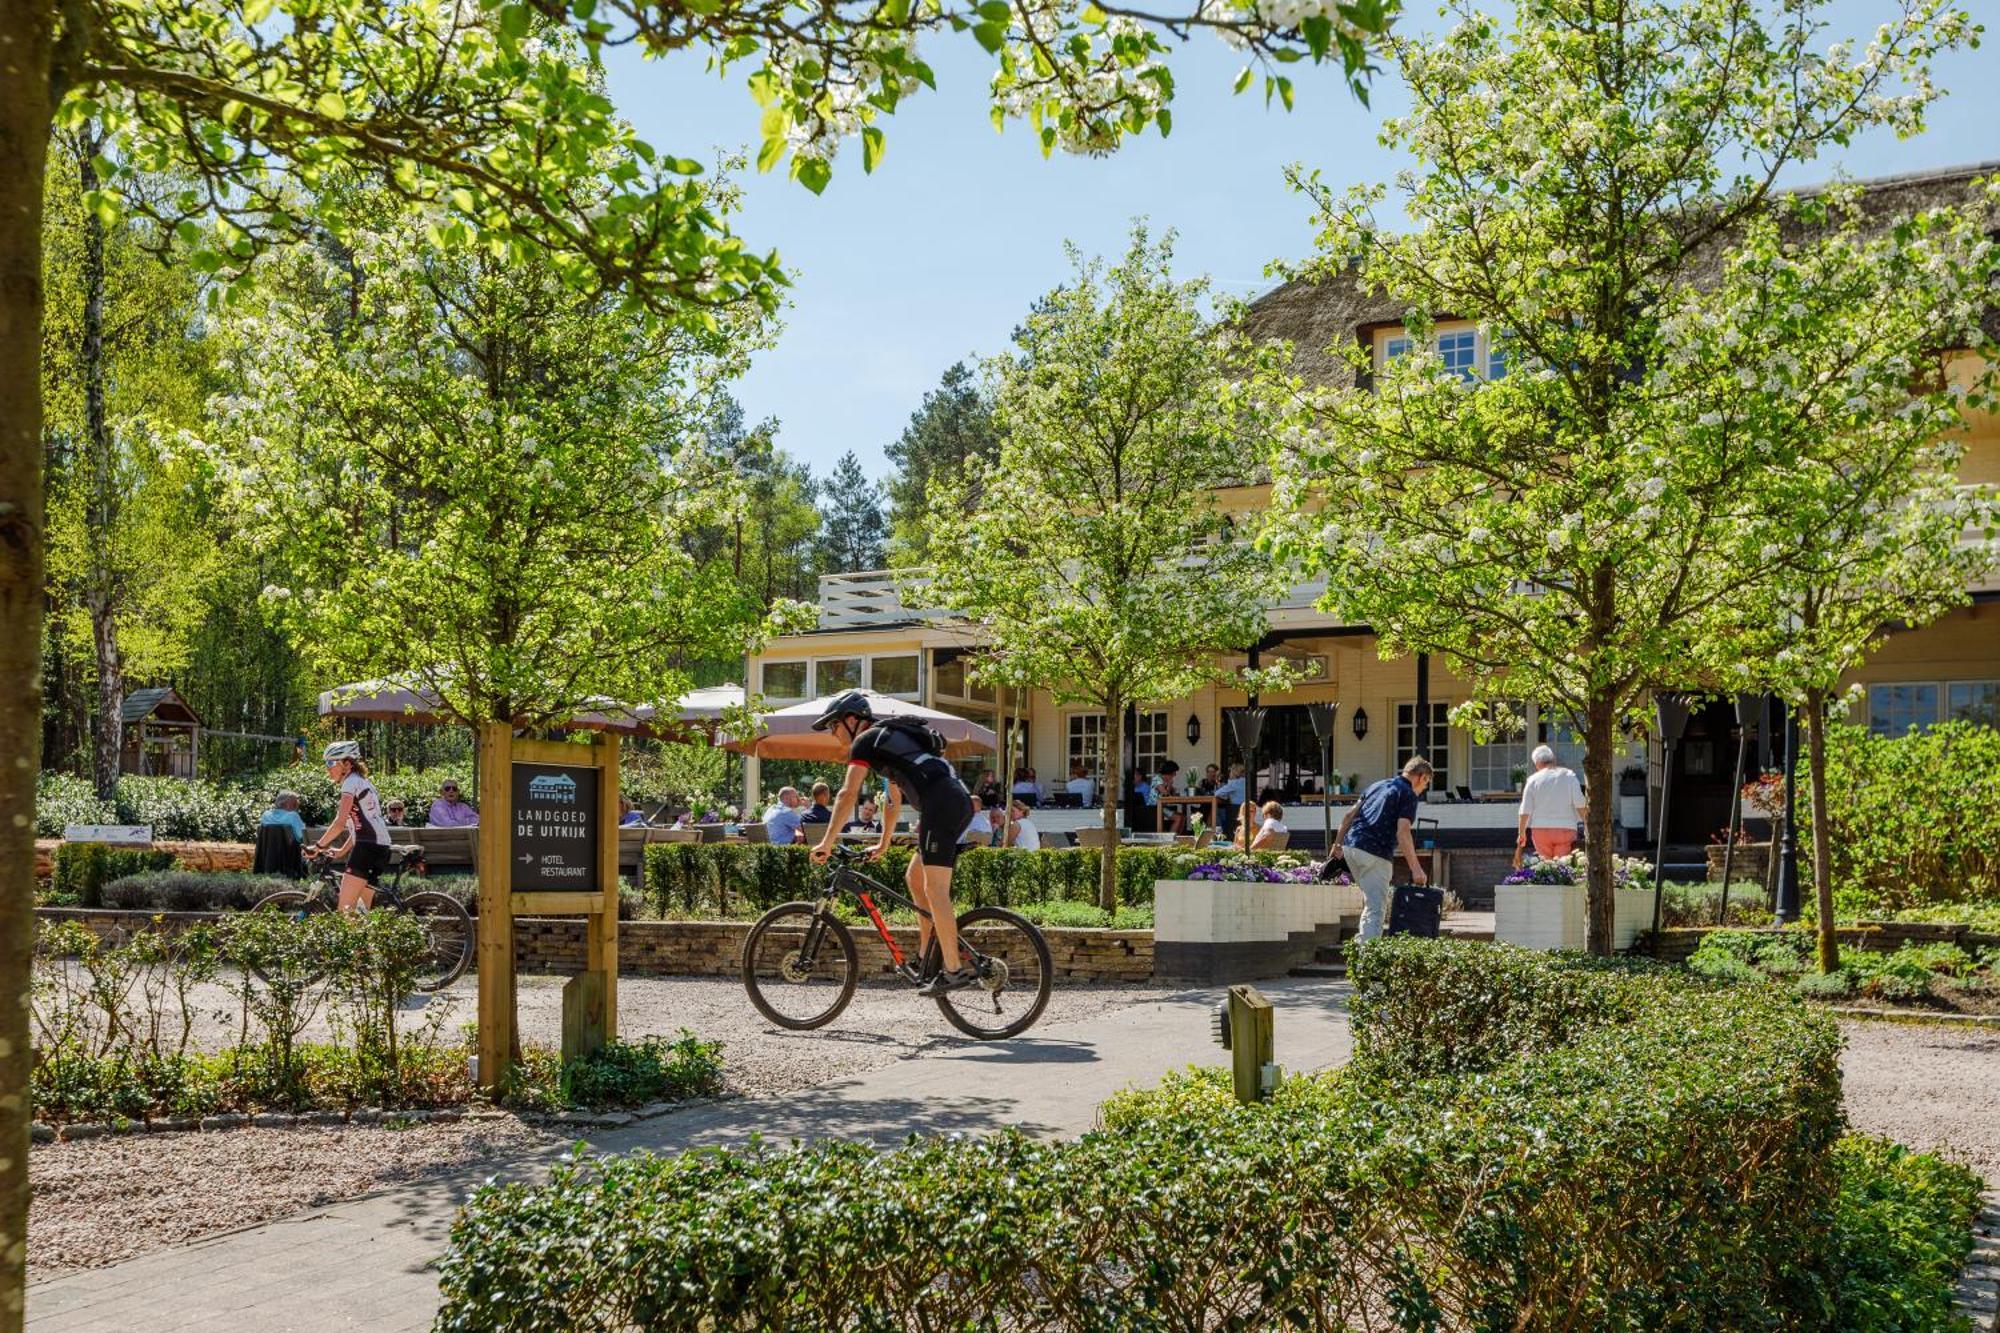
{"x":360,"y":819}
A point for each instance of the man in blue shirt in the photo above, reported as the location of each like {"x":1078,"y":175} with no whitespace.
{"x":785,"y":817}
{"x":1375,"y":831}
{"x":1229,"y":799}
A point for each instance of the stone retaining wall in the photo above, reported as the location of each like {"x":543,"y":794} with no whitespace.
{"x":1679,"y":943}
{"x":203,"y":856}
{"x":694,"y":948}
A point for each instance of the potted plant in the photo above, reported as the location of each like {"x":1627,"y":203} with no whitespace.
{"x":1541,"y":905}
{"x":1519,"y":775}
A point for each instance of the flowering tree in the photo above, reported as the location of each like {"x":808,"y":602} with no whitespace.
{"x":1573,"y":522}
{"x":1097,"y":561}
{"x":1861,"y":518}
{"x":480,"y":480}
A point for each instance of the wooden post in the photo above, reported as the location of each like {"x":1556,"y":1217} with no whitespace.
{"x":585,"y":1013}
{"x":601,"y":926}
{"x":1251,"y":1045}
{"x":496,"y":905}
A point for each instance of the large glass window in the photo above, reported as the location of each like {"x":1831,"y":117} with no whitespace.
{"x":1896,"y":710}
{"x":948,"y":677}
{"x":1394,"y":348}
{"x":1151,"y":741}
{"x":1493,"y":762}
{"x":1086,"y":744}
{"x":1440,"y":740}
{"x":1554,"y":730}
{"x":895,"y":675}
{"x":784,"y":680}
{"x":1973,"y":701}
{"x":831,"y":675}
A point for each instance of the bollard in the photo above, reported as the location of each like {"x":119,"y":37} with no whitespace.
{"x":1250,"y":1044}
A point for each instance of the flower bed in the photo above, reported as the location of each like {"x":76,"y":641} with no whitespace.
{"x":1542,"y":905}
{"x":1520,"y":1141}
{"x":1935,"y":975}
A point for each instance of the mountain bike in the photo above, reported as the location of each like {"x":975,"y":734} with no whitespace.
{"x":800,"y":963}
{"x":444,"y":918}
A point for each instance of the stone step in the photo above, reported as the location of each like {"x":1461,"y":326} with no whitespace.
{"x":1324,"y":971}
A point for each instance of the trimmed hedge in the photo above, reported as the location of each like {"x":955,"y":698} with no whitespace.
{"x":1643,"y":1150}
{"x":728,"y":877}
{"x":82,"y":869}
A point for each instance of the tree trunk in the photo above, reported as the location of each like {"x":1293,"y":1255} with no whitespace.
{"x":1822,"y":851}
{"x":24,"y":142}
{"x":1600,"y":738}
{"x":1111,"y":788}
{"x":100,"y":580}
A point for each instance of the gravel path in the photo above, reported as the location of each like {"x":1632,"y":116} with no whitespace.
{"x":102,"y":1200}
{"x":1931,"y":1085}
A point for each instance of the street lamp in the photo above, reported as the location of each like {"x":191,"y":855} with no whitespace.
{"x":1670,"y":715}
{"x":1248,"y":724}
{"x":1323,"y":715}
{"x":1748,"y":706}
{"x":1786,"y":909}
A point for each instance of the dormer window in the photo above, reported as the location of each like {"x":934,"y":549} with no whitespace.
{"x":1463,"y":348}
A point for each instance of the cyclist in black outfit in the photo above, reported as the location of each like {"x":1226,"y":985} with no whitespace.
{"x":909,"y":756}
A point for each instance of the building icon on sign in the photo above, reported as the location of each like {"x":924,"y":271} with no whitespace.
{"x":555,"y":787}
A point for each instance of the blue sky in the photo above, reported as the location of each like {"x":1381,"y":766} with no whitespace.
{"x":936,"y":255}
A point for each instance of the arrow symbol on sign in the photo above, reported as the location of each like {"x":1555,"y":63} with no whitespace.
{"x":526,"y":859}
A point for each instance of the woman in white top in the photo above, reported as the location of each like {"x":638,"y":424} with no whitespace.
{"x":978,"y":833}
{"x":360,"y":819}
{"x":1022,"y":835}
{"x":1272,"y":828}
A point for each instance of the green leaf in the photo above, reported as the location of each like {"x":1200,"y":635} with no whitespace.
{"x":769,"y":153}
{"x":513,"y":23}
{"x":332,"y":105}
{"x":871,"y":147}
{"x":462,"y":199}
{"x":1243,"y":77}
{"x":812,"y":172}
{"x":990,"y":35}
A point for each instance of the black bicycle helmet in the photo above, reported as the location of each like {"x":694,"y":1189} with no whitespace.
{"x":851,"y":704}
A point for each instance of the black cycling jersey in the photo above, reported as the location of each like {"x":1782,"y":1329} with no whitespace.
{"x":922,"y":776}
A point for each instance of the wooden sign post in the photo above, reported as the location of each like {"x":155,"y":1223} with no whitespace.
{"x":548,"y":844}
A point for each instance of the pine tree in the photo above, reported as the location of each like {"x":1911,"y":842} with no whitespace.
{"x":948,"y":437}
{"x":853,"y":529}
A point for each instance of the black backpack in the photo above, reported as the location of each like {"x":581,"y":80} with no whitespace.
{"x":924,"y":734}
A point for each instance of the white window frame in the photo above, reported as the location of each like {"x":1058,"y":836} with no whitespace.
{"x":1083,"y":743}
{"x":1941,"y":708}
{"x":1394,"y":340}
{"x":1440,"y":755}
{"x":1151,"y":741}
{"x":1501,"y":755}
{"x":820,"y":687}
{"x":764,"y":677}
{"x":915,"y":691}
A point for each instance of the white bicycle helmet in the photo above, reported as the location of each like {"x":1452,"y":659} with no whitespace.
{"x":341,"y":750}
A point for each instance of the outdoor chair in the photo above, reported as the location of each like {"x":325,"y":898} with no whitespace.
{"x":1091,"y":837}
{"x":756,"y":833}
{"x":679,"y":835}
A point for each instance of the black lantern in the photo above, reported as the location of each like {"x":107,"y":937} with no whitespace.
{"x":1194,"y":729}
{"x":1670,"y":715}
{"x":1360,"y":723}
{"x":1248,"y":724}
{"x":1323,"y":715}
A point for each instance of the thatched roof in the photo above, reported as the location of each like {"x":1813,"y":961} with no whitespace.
{"x":1318,"y":315}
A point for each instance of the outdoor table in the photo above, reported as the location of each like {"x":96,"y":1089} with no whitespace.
{"x":1207,"y":801}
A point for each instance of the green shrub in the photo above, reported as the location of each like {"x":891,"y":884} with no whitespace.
{"x":82,"y":869}
{"x":1649,"y":1152}
{"x":619,"y":1074}
{"x":1902,"y":1230}
{"x":62,"y":799}
{"x":191,"y":891}
{"x":1891,"y":852}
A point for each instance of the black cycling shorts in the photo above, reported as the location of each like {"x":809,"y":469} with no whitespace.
{"x":367,"y":861}
{"x":940,"y":821}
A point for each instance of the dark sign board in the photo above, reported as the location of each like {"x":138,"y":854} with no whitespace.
{"x":555,"y":827}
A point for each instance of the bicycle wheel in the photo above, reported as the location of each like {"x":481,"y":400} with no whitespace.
{"x":1015,"y":975}
{"x":449,"y":926}
{"x":799,"y":966}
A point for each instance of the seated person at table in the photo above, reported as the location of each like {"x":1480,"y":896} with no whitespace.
{"x":785,"y":817}
{"x":1022,"y":835}
{"x":987,"y":789}
{"x":1081,"y":786}
{"x":1211,"y":778}
{"x":448,"y":811}
{"x":978,"y":833}
{"x":822,"y":811}
{"x":1228,"y":796}
{"x":628,"y":817}
{"x":1026,"y":788}
{"x":867,"y":819}
{"x":1172,"y":817}
{"x":1273,"y":826}
{"x":394,"y":813}
{"x":284,"y":812}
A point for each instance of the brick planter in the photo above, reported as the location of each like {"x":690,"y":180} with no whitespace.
{"x":1226,"y":931}
{"x":1752,"y":862}
{"x":1554,"y":916}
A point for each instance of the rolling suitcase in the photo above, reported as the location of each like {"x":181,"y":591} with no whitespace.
{"x":1416,"y":910}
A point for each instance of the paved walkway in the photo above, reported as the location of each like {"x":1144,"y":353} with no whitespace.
{"x":364,"y":1264}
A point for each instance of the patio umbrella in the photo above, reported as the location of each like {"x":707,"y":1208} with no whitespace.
{"x":397,"y":700}
{"x":788,"y":734}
